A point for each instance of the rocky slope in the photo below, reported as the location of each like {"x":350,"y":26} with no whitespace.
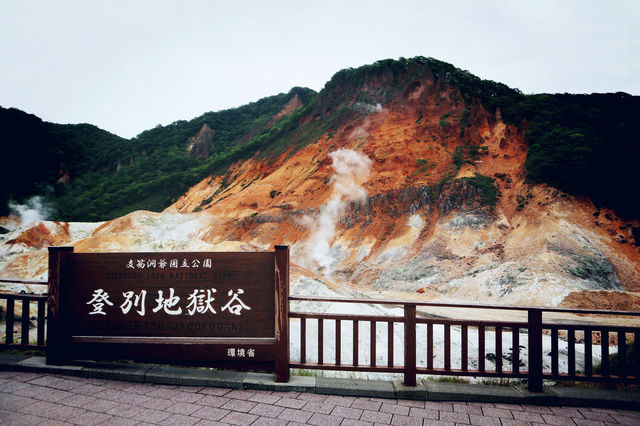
{"x":412,"y":193}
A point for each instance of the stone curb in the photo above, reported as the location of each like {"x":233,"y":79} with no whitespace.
{"x":425,"y":389}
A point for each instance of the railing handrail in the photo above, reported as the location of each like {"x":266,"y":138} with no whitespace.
{"x":2,"y":280}
{"x":461,"y":305}
{"x":23,"y":296}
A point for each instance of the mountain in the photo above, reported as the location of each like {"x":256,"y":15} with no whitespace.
{"x":407,"y":178}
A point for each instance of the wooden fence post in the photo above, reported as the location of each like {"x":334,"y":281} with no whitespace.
{"x":410,"y":345}
{"x":282,"y":313}
{"x":56,"y":333}
{"x":535,"y":349}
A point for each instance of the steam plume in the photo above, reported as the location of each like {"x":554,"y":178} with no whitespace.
{"x":352,"y":169}
{"x":34,"y":209}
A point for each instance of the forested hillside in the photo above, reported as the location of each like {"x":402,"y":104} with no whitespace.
{"x":583,"y":144}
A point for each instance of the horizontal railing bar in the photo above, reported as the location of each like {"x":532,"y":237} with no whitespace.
{"x":594,"y":377}
{"x":2,"y":280}
{"x":347,"y":367}
{"x":178,"y":340}
{"x":457,"y":305}
{"x":20,"y":296}
{"x":592,"y":327}
{"x":346,"y":317}
{"x":21,"y":346}
{"x":473,"y":373}
{"x":485,"y":323}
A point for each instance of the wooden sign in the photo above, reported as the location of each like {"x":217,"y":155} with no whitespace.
{"x":207,"y":307}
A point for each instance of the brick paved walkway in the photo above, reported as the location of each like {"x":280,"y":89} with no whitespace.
{"x":33,"y":398}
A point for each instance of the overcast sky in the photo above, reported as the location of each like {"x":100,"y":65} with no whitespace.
{"x":129,"y":65}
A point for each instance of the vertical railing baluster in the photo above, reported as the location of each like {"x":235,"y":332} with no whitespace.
{"x":465,"y":348}
{"x":26,"y":316}
{"x":372,"y":340}
{"x":41,"y":321}
{"x":9,"y":325}
{"x":571,"y":351}
{"x":320,"y":341}
{"x":447,"y":347}
{"x":588,"y":355}
{"x":303,"y":340}
{"x":515,"y":350}
{"x":554,"y":352}
{"x":604,"y":345}
{"x":409,"y":345}
{"x":535,"y":349}
{"x":622,"y":353}
{"x":390,"y":343}
{"x":498,"y":337}
{"x":481,"y":349}
{"x":355,"y":342}
{"x":430,"y":346}
{"x":338,"y":341}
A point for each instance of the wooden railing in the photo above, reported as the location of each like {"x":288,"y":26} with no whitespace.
{"x":418,"y":335}
{"x":570,"y":342}
{"x":26,"y":303}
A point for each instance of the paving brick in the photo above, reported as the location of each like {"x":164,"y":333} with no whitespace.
{"x":266,"y":410}
{"x":566,"y":412}
{"x":236,"y":418}
{"x":452,"y":416}
{"x":405,"y":420}
{"x":78,"y":400}
{"x":596,"y":415}
{"x":186,"y":396}
{"x":424,"y":413}
{"x":180,"y":420}
{"x":239,"y":405}
{"x":351,"y":422}
{"x":210,"y":413}
{"x":346,"y":412}
{"x":513,"y":422}
{"x":586,"y":422}
{"x":192,"y":389}
{"x":291,"y":403}
{"x":367,"y":404}
{"x":314,"y":397}
{"x":29,"y":390}
{"x":90,"y":418}
{"x":157,"y":403}
{"x":497,"y":412}
{"x":628,"y":413}
{"x":119,"y":421}
{"x":469,"y":409}
{"x":215,"y":391}
{"x":183,"y":408}
{"x":512,"y":407}
{"x":625,"y":420}
{"x":265,"y":398}
{"x":411,"y":403}
{"x":55,"y":395}
{"x":293,"y":415}
{"x":376,"y":417}
{"x":475,"y":419}
{"x":213,"y":401}
{"x":540,"y":409}
{"x":240,"y":394}
{"x":553,"y":419}
{"x":528,"y":416}
{"x":150,"y":415}
{"x":394,"y":409}
{"x":325,"y":419}
{"x":101,"y":405}
{"x":318,"y":407}
{"x":125,"y":410}
{"x":13,"y":402}
{"x":268,"y":421}
{"x":437,"y":405}
{"x":344,"y":401}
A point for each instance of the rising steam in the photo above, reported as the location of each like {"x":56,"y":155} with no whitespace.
{"x":34,"y":209}
{"x":352,"y":169}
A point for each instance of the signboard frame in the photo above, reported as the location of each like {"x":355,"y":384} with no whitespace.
{"x":263,"y":345}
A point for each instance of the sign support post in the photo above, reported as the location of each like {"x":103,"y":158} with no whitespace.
{"x":55,"y":301}
{"x":282,"y":313}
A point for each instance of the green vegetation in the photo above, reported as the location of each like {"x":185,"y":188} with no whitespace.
{"x":489,"y":192}
{"x":582,"y":144}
